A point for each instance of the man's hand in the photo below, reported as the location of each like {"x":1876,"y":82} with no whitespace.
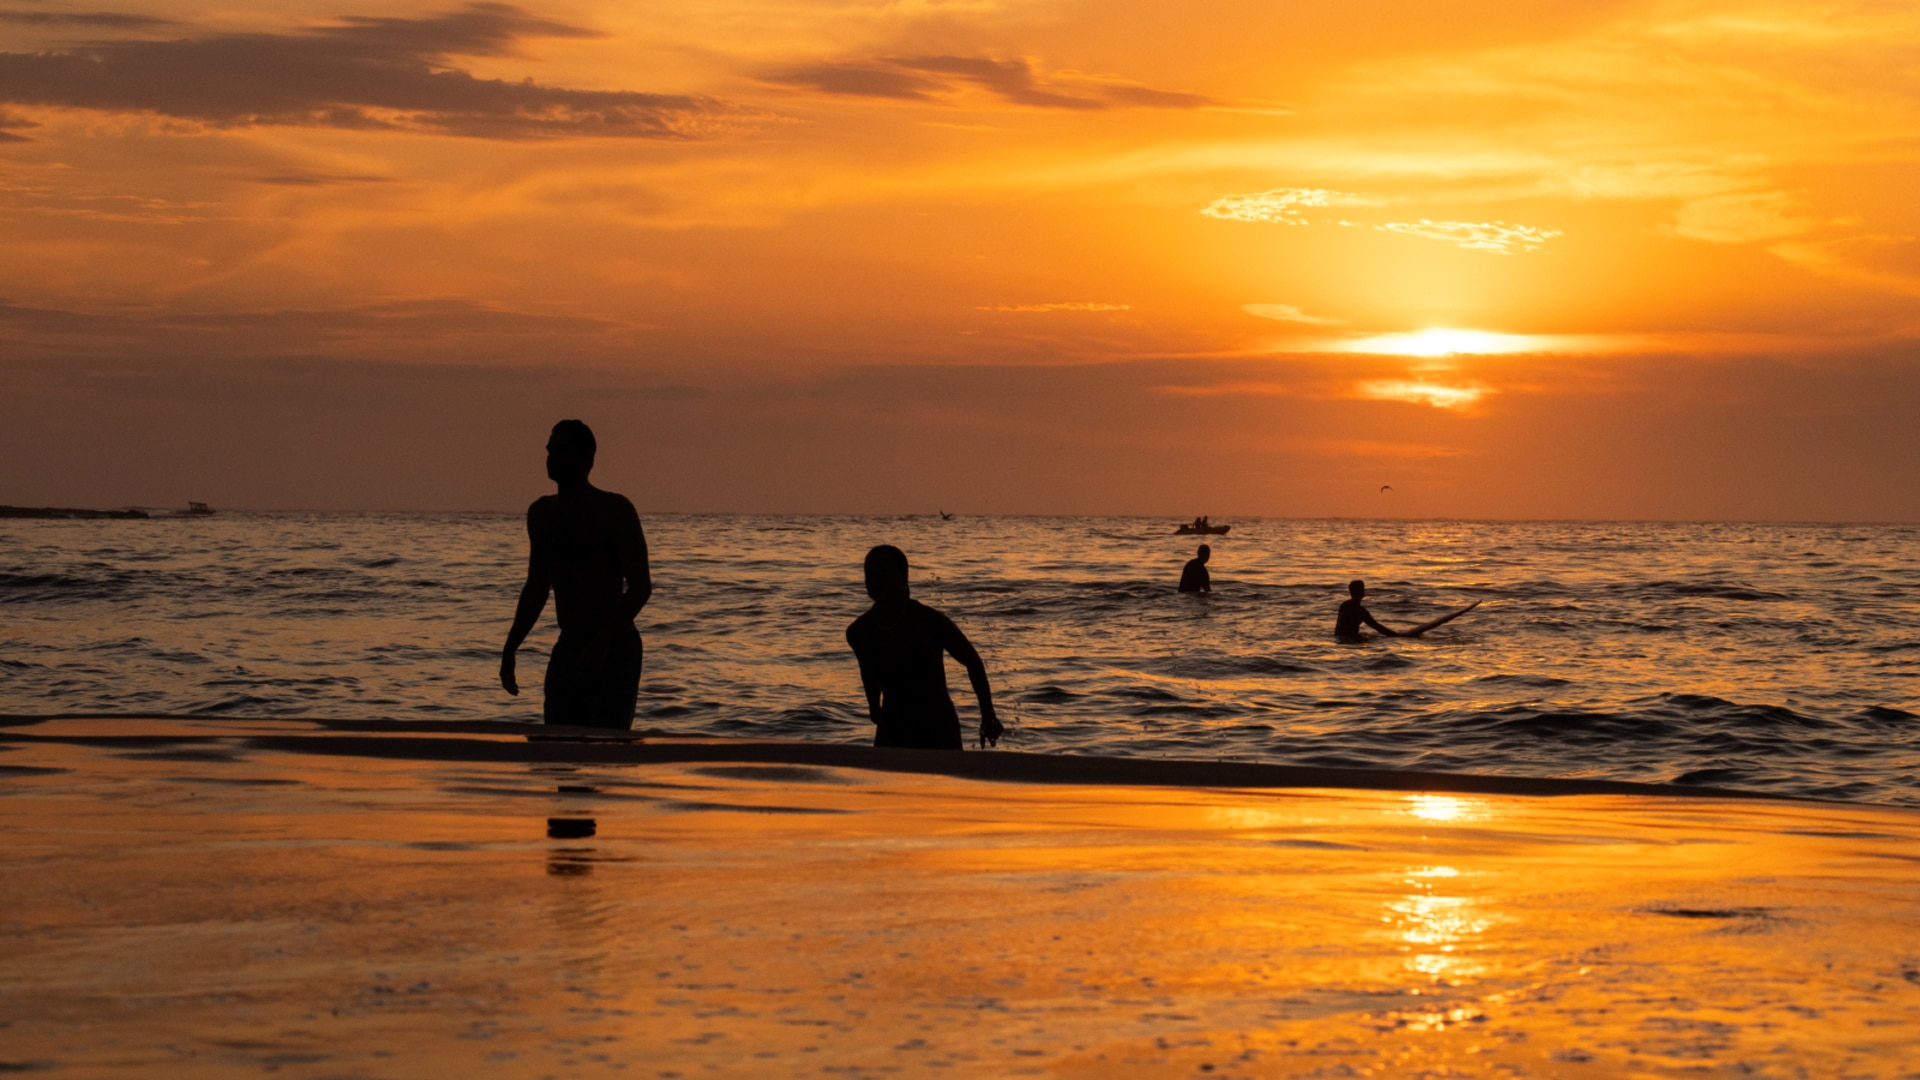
{"x":507,"y":681}
{"x":990,"y":730}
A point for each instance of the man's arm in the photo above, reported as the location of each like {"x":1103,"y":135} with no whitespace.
{"x":867,"y":681}
{"x":533,"y":599}
{"x":956,"y":643}
{"x":632,"y":548}
{"x":1367,"y":617}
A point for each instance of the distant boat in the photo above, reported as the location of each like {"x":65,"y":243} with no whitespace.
{"x":199,"y":509}
{"x":1202,"y":530}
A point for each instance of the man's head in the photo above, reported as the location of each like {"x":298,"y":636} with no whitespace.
{"x":1358,"y":588}
{"x":570,"y":451}
{"x":886,"y":573}
{"x":1204,"y":553}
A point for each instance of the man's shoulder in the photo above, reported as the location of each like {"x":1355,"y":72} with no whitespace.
{"x":616,"y":504}
{"x":928,"y":615}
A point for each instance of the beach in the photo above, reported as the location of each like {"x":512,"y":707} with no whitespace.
{"x":227,"y":896}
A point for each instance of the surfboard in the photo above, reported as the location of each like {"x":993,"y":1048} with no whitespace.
{"x":1441,"y":621}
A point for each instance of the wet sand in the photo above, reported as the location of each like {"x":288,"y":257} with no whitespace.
{"x":213,"y":897}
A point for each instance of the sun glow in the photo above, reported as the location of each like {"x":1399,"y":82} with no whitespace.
{"x":1441,"y":341}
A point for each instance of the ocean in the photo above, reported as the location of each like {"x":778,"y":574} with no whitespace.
{"x":1781,"y":658}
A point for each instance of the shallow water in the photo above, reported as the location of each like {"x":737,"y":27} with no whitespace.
{"x":225,"y":897}
{"x":1772,"y":657}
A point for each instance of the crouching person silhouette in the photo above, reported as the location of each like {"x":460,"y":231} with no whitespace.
{"x":588,"y":551}
{"x":901,"y":645}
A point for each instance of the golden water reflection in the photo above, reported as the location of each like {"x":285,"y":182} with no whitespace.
{"x":1435,"y":927}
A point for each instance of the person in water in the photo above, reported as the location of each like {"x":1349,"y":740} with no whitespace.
{"x":1346,"y":625}
{"x":588,"y":550}
{"x":901,"y":645}
{"x":1194,"y":576}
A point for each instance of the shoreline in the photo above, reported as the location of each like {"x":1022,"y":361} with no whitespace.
{"x":495,"y":741}
{"x":220,"y":897}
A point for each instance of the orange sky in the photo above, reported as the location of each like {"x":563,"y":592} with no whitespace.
{"x":1514,"y":259}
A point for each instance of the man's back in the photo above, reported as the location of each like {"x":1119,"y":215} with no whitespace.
{"x":1194,"y":577}
{"x":901,"y":646}
{"x":586,"y":541}
{"x":1347,"y":623}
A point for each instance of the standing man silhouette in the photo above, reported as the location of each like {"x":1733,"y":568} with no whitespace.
{"x":901,"y":645}
{"x":587,"y":549}
{"x":1194,"y":576}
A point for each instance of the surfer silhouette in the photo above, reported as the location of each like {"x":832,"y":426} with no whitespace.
{"x":1346,"y":625}
{"x":587,"y":549}
{"x":1194,"y":576}
{"x":901,"y":645}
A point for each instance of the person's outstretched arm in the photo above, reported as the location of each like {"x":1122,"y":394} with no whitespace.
{"x":533,"y":600}
{"x":957,"y":644}
{"x":1367,"y":617}
{"x":632,"y":550}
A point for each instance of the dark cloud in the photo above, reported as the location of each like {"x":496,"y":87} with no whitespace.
{"x":363,"y":72}
{"x":113,"y":20}
{"x":425,"y":328}
{"x":9,"y":123}
{"x":929,"y":78}
{"x":861,"y":80}
{"x":312,"y":179}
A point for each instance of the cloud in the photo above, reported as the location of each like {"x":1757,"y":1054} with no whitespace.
{"x":463,"y":327}
{"x":314,"y":179}
{"x":1288,"y":313}
{"x":1421,"y":393}
{"x":1069,"y":306}
{"x":370,"y":73}
{"x":931,"y":79}
{"x":114,"y":20}
{"x":1281,"y":206}
{"x":11,"y":122}
{"x":1288,"y":206}
{"x":1739,"y":218}
{"x":1495,"y":236}
{"x":1887,"y":262}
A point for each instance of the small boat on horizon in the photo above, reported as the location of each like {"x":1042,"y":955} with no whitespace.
{"x":199,"y":509}
{"x":1200,"y":526}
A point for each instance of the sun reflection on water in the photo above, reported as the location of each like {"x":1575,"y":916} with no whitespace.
{"x":1434,"y":928}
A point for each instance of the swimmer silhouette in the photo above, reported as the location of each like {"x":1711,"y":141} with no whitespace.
{"x":587,"y":549}
{"x":1346,"y":625}
{"x":901,"y":644}
{"x":1194,"y":576}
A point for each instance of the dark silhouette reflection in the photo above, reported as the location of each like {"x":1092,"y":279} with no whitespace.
{"x":567,"y":828}
{"x":587,"y":549}
{"x":1194,"y":576}
{"x":901,"y":645}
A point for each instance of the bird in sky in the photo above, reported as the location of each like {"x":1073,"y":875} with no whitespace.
{"x":1384,"y":488}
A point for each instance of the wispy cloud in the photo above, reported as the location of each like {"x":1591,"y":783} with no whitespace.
{"x":1421,"y":393}
{"x":111,"y":20}
{"x":1290,"y":206}
{"x":1740,"y":218}
{"x":1288,"y":313}
{"x":1282,"y":206}
{"x":1078,"y":305}
{"x":940,"y":78}
{"x":363,"y":72}
{"x":1494,"y":236}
